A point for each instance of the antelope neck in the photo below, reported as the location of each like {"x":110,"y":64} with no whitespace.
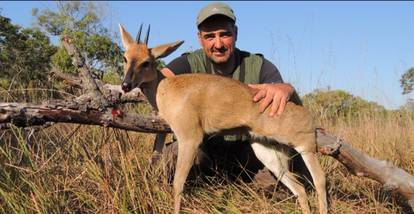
{"x":150,"y":88}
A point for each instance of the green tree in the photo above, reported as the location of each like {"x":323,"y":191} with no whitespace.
{"x":407,"y":81}
{"x":337,"y":103}
{"x":24,"y":55}
{"x":408,"y":107}
{"x":81,"y":21}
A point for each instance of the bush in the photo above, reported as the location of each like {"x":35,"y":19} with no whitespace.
{"x":337,"y":103}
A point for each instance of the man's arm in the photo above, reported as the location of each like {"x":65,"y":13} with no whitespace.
{"x":167,"y":72}
{"x":178,"y":66}
{"x":271,"y":91}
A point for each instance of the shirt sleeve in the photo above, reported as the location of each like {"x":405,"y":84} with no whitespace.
{"x":179,"y":65}
{"x":269,"y":73}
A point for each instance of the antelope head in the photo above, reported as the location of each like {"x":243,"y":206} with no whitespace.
{"x":139,"y":60}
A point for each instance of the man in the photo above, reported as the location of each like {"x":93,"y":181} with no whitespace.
{"x":217,"y":34}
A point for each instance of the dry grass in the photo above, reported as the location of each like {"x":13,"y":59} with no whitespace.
{"x":87,"y":169}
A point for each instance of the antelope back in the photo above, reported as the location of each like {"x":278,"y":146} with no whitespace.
{"x":139,"y":60}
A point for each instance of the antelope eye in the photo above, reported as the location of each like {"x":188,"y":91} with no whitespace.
{"x":145,"y":64}
{"x":125,"y":60}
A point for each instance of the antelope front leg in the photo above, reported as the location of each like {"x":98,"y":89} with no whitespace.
{"x":187,"y":150}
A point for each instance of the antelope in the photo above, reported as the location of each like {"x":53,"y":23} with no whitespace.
{"x":198,"y":104}
{"x":140,"y":71}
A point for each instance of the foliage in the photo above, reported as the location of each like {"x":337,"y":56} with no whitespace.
{"x":82,"y":22}
{"x":407,"y":81}
{"x":338,"y":103}
{"x":406,"y":110}
{"x":24,"y":54}
{"x":160,"y":64}
{"x":111,"y":78}
{"x":62,"y":60}
{"x":409,"y":106}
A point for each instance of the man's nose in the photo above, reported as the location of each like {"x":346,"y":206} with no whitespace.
{"x":218,"y":43}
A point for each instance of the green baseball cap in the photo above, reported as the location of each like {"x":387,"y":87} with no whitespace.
{"x":216,"y":8}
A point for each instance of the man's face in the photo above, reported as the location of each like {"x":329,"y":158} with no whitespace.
{"x":218,"y":39}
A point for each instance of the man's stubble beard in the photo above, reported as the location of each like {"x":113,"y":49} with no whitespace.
{"x":221,"y":60}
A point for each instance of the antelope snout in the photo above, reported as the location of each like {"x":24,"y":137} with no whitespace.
{"x":126,"y":87}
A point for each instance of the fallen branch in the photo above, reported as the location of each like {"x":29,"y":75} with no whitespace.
{"x":89,"y":84}
{"x":66,"y":78}
{"x":362,"y":165}
{"x":113,"y":93}
{"x":25,"y":115}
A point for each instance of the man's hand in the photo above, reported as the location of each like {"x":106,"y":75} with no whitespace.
{"x":276,"y":95}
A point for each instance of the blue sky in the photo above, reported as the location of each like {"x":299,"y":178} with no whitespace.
{"x":359,"y":47}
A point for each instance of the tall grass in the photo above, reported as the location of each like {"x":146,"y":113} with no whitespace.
{"x":388,"y":138}
{"x":70,"y":168}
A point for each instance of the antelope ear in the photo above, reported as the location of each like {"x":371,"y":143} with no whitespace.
{"x":126,"y":37}
{"x":165,"y":49}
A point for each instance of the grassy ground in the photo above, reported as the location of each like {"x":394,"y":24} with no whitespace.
{"x":88,"y":169}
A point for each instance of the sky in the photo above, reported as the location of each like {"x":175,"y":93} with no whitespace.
{"x":359,"y":47}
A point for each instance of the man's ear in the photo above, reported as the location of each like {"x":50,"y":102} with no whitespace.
{"x":165,"y":50}
{"x":127,"y":40}
{"x":199,"y":37}
{"x":236,"y":32}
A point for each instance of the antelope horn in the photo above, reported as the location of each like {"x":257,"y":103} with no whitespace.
{"x":138,"y":38}
{"x":147,"y":36}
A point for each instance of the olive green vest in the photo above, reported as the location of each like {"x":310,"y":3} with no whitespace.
{"x":252,"y":65}
{"x":247,"y":71}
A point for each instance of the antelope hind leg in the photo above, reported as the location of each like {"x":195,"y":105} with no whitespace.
{"x":277,"y":162}
{"x":318,"y":177}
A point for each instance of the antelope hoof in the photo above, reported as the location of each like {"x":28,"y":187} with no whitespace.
{"x":155,"y":158}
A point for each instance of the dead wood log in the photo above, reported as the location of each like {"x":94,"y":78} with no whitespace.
{"x":110,"y":92}
{"x":25,"y":115}
{"x":89,"y":84}
{"x":391,"y":177}
{"x":68,"y":79}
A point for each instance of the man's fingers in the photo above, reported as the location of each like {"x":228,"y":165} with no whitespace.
{"x":265,"y":103}
{"x":257,"y":91}
{"x":275,"y":105}
{"x":282,"y":106}
{"x":272,"y":96}
{"x":256,"y":86}
{"x":254,"y":90}
{"x":259,"y":95}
